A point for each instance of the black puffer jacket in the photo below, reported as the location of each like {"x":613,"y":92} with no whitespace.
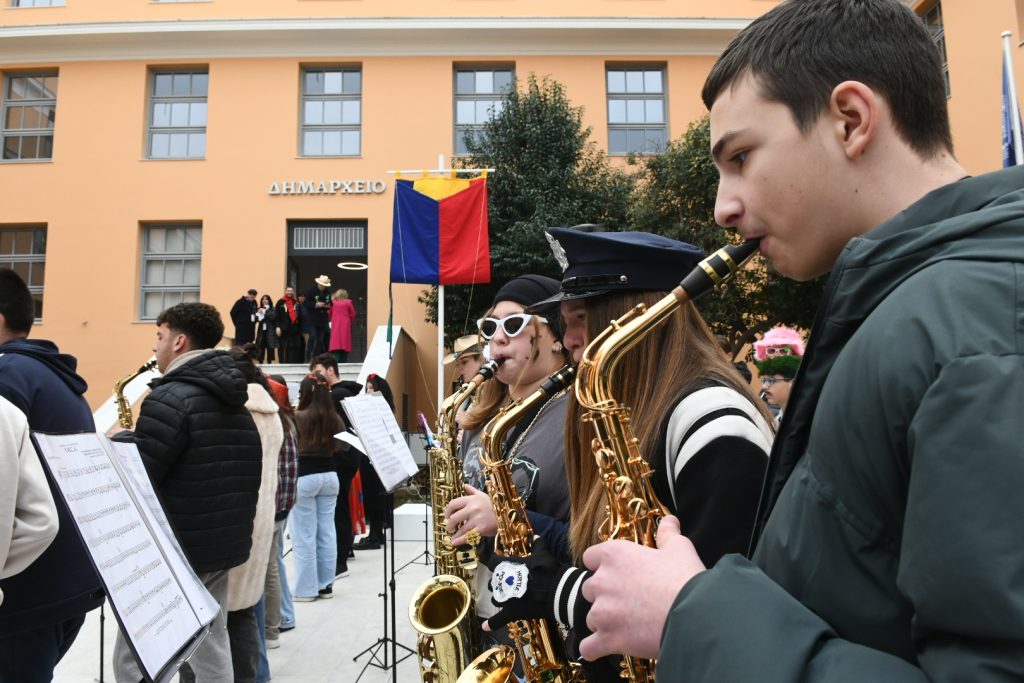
{"x":203,"y":454}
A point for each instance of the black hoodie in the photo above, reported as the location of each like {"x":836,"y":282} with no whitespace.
{"x":203,"y":454}
{"x":62,"y":583}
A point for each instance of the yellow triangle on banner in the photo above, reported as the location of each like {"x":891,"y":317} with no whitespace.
{"x":439,"y":187}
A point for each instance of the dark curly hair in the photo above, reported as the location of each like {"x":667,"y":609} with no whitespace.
{"x":201,"y":323}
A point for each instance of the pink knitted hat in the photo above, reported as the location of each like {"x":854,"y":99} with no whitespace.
{"x":779,"y":336}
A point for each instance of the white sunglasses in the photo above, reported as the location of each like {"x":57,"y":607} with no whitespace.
{"x":510,"y":324}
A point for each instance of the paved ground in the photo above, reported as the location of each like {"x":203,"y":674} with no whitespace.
{"x":328,"y":634}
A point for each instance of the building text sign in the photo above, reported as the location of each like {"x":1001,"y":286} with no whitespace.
{"x":327,"y":187}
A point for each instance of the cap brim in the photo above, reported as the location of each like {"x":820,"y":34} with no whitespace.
{"x":449,"y":359}
{"x":564,"y":296}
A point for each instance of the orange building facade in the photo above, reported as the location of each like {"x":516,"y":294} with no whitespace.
{"x":164,"y":151}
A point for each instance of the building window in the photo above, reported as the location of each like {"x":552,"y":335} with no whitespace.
{"x":171,"y":256}
{"x":479,"y":95}
{"x":636,"y":110}
{"x":332,"y":112}
{"x":37,"y":3}
{"x":23,"y":250}
{"x":29,"y":111}
{"x":177,"y":114}
{"x":933,"y":21}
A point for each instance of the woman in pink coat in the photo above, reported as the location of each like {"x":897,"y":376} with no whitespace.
{"x":342,"y":315}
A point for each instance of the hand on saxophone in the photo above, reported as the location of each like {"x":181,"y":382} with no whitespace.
{"x":524,"y":587}
{"x":471,"y":512}
{"x":632,"y":590}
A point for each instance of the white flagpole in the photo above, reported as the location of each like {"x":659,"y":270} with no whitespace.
{"x":440,"y":324}
{"x":1014,"y":105}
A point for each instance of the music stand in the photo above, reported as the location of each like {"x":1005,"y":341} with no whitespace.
{"x":382,"y":643}
{"x":426,"y":555}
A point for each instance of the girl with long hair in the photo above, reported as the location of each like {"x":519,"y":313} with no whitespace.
{"x":312,"y":518}
{"x":266,"y":337}
{"x":531,"y":349}
{"x":375,"y":501}
{"x":700,"y":427}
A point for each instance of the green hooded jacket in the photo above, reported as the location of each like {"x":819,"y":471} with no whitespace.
{"x":890,"y":541}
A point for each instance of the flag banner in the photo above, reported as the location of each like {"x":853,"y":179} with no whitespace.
{"x":1012,"y":152}
{"x":439,"y":234}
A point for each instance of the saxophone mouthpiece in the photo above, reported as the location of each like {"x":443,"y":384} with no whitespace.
{"x":718,"y":268}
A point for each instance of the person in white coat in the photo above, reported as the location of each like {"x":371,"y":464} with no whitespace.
{"x":28,"y":516}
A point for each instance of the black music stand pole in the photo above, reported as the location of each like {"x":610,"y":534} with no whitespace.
{"x":426,"y":555}
{"x":389,"y":584}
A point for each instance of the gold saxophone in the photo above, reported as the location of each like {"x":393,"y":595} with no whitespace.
{"x":124,"y":409}
{"x":633,"y":509}
{"x":537,"y":643}
{"x":440,"y":609}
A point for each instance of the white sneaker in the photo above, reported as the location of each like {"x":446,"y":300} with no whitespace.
{"x":273,"y":643}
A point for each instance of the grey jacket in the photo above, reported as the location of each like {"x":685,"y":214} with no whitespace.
{"x":890,"y":543}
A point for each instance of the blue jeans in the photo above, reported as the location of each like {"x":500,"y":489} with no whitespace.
{"x":263,"y":668}
{"x":287,"y":606}
{"x":313,"y":535}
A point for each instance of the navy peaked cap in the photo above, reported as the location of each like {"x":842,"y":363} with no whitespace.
{"x":595,"y":263}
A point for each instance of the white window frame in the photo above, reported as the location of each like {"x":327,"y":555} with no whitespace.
{"x":26,"y":103}
{"x":480,"y":102}
{"x":171,"y":292}
{"x":178,"y":115}
{"x":632,"y":107}
{"x":331,"y":114}
{"x":34,"y":258}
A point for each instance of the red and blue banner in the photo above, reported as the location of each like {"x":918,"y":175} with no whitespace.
{"x":440,"y":232}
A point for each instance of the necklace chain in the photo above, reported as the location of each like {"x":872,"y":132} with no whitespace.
{"x":519,"y":441}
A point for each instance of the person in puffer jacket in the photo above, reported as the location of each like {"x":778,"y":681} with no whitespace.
{"x":203,"y":454}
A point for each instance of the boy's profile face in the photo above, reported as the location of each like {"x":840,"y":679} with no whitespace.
{"x":778,"y":183}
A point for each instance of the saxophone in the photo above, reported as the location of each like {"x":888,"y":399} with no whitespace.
{"x":124,"y":409}
{"x":537,"y":643}
{"x":633,"y":509}
{"x":440,"y":607}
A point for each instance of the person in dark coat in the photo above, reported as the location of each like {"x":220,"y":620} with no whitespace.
{"x":317,"y":309}
{"x":288,"y":321}
{"x":243,"y":315}
{"x":203,"y":454}
{"x":887,"y":545}
{"x":45,"y":605}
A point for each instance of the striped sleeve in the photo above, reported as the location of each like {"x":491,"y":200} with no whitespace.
{"x":716,"y":454}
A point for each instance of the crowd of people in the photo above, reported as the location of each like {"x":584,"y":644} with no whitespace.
{"x":865,"y":532}
{"x":228,"y":499}
{"x":299,"y":326}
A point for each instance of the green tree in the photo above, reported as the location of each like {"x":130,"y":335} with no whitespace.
{"x":548,"y":172}
{"x":675,"y":196}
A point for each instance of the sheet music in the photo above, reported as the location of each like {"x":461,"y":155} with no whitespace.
{"x":352,"y":440}
{"x":205,"y":606}
{"x":152,"y":606}
{"x":375,"y":424}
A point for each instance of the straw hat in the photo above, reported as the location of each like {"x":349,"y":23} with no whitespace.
{"x":463,"y":346}
{"x":323,"y":281}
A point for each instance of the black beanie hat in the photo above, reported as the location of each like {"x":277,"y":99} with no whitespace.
{"x":527,"y":290}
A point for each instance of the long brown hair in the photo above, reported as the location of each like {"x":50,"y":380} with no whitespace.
{"x":493,"y":395}
{"x":649,"y":379}
{"x":316,"y":417}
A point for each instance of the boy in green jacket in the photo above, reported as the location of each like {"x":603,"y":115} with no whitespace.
{"x":888,"y":543}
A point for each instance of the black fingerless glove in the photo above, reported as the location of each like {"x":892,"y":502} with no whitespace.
{"x":534,"y":587}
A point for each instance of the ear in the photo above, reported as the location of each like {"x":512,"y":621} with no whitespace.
{"x":856,"y":110}
{"x":556,"y":347}
{"x":181,"y":344}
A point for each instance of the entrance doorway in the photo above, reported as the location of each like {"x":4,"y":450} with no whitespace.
{"x":317,"y":248}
